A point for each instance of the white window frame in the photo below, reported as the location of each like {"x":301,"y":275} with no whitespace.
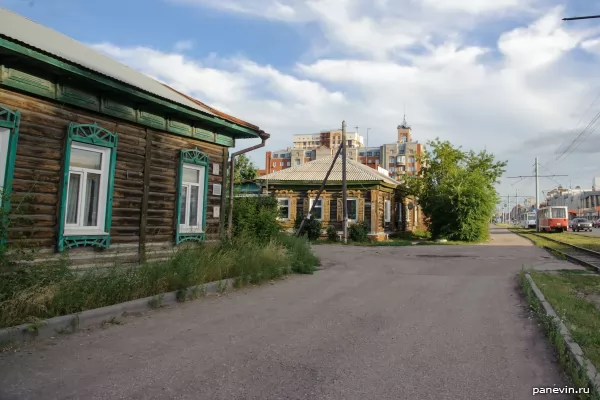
{"x":185,"y":227}
{"x":4,"y":142}
{"x":355,"y":199}
{"x":279,"y":206}
{"x":387,"y":211}
{"x":310,"y":204}
{"x":78,"y":228}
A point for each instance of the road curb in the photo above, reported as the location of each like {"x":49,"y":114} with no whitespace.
{"x":73,"y":322}
{"x":574,"y":349}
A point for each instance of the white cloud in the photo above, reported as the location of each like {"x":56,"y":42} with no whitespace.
{"x":183,"y":45}
{"x":517,"y":93}
{"x":539,"y":44}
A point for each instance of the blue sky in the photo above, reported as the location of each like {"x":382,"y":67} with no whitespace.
{"x":506,"y":75}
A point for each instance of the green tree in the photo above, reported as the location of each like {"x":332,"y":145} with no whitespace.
{"x":245,"y":170}
{"x":456,"y":190}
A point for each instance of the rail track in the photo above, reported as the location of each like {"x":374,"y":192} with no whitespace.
{"x":581,"y":255}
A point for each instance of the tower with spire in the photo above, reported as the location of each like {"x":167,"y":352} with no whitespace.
{"x":404,"y":132}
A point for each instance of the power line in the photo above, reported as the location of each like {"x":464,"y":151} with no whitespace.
{"x":575,"y":127}
{"x":576,"y":18}
{"x":590,"y":126}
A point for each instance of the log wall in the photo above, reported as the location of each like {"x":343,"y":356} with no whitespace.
{"x":144,"y":203}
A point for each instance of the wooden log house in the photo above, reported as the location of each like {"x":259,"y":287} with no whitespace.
{"x":99,"y":160}
{"x":373,"y":197}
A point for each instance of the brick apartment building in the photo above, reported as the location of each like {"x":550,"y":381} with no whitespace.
{"x":399,"y":158}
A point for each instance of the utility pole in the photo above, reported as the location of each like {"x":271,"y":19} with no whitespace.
{"x":345,"y":183}
{"x":537,"y":176}
{"x":368,"y":129}
{"x":537,"y":196}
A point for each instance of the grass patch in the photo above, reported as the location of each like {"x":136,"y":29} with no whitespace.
{"x":36,"y":293}
{"x":587,"y":242}
{"x":579,"y":315}
{"x":570,"y":296}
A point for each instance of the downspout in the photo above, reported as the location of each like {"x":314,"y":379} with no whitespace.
{"x":264,"y":137}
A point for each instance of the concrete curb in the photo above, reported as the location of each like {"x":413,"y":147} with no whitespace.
{"x":573,"y":348}
{"x":73,"y":322}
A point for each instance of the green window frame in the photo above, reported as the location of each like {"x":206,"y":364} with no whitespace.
{"x":197,"y":160}
{"x":82,"y":135}
{"x":10,"y":120}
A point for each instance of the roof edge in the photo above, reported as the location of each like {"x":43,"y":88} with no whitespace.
{"x":239,"y":127}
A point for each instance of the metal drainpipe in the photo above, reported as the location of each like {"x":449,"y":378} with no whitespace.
{"x":264,"y":137}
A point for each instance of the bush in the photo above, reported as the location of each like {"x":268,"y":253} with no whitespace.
{"x":256,"y":217}
{"x":332,"y":235}
{"x":303,"y":261}
{"x":312,"y":228}
{"x":44,"y":292}
{"x":358,"y":232}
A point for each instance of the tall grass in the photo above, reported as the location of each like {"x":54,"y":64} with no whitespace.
{"x":42,"y":292}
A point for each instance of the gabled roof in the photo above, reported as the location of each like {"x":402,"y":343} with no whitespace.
{"x":315,"y":171}
{"x":47,"y":40}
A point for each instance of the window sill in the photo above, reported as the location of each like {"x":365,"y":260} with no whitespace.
{"x":189,"y":231}
{"x":84,"y":232}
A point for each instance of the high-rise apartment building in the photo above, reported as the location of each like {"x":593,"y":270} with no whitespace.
{"x":399,"y":158}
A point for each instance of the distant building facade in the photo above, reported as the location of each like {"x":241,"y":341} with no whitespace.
{"x":398,"y":159}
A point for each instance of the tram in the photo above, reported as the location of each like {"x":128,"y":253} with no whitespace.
{"x":553,"y":219}
{"x":527,"y":220}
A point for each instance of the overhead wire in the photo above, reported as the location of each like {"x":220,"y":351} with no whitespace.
{"x":576,"y":126}
{"x":587,"y":131}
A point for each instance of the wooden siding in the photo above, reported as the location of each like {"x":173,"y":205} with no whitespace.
{"x":38,"y":164}
{"x":162,"y":195}
{"x":370,"y":206}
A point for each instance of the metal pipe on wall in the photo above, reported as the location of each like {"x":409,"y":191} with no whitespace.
{"x":264,"y":137}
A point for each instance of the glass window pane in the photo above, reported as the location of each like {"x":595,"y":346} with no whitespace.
{"x":351,"y":204}
{"x":85,"y":159}
{"x":182,"y":205}
{"x":194,"y":205}
{"x":191,"y":175}
{"x":92,"y":196}
{"x":73,"y":198}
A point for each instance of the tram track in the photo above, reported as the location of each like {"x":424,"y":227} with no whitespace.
{"x":577,"y":254}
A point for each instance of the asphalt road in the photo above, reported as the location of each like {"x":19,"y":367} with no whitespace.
{"x":594,"y":232}
{"x":419,"y":322}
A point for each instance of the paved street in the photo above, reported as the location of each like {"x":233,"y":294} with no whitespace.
{"x":419,"y":322}
{"x":594,"y":232}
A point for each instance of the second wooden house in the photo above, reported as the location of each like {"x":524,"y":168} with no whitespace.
{"x":373,"y":197}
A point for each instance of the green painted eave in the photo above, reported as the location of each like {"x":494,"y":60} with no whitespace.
{"x":220,"y":125}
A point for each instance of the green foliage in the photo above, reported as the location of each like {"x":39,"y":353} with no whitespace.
{"x":332,"y":235}
{"x":302,"y":258}
{"x":456,"y":191}
{"x":245,"y":170}
{"x":257,"y":252}
{"x":312,"y":228}
{"x":36,"y":293}
{"x":256,"y":217}
{"x":358,"y":232}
